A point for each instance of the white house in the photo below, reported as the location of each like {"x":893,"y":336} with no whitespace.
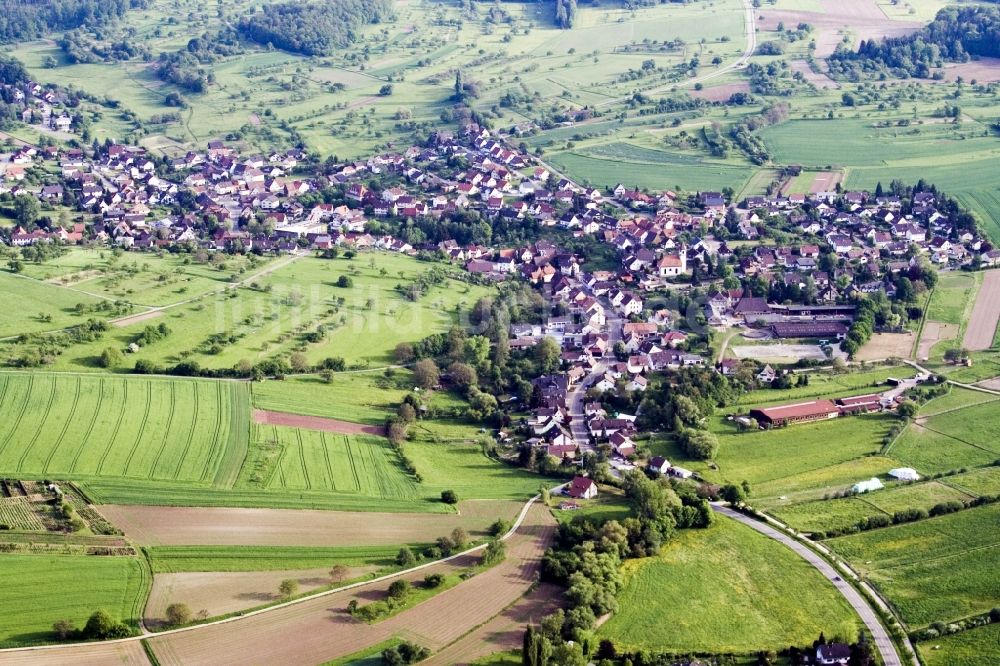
{"x":582,"y":488}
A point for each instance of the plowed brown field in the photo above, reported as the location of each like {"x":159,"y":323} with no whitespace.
{"x":318,"y":630}
{"x":128,"y":653}
{"x":315,"y":423}
{"x":204,"y":526}
{"x":220,"y":593}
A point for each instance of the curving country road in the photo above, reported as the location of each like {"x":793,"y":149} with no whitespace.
{"x":883,"y":643}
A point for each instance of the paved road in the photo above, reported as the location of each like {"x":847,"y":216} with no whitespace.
{"x":883,"y":643}
{"x":578,"y":396}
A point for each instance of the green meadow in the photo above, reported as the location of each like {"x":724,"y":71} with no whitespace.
{"x":725,"y":589}
{"x":42,"y":589}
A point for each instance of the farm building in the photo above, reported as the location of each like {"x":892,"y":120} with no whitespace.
{"x":582,"y":488}
{"x":809,"y":329}
{"x":816,"y":410}
{"x":860,"y":403}
{"x":904,"y":474}
{"x":867,"y":486}
{"x":802,"y":412}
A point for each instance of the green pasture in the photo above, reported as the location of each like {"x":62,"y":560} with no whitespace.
{"x":689,"y":174}
{"x":953,"y":296}
{"x":725,"y":589}
{"x":42,"y":589}
{"x":28,"y":305}
{"x":828,"y":385}
{"x":808,"y":456}
{"x":938,"y":569}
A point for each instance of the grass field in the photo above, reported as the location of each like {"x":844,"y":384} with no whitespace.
{"x":938,"y":569}
{"x":88,"y":427}
{"x":725,"y":589}
{"x":975,"y":647}
{"x":801,"y":458}
{"x":953,"y":438}
{"x":827,"y":385}
{"x":357,"y":397}
{"x":41,"y":589}
{"x":28,"y":304}
{"x":826,"y":515}
{"x":178,"y":559}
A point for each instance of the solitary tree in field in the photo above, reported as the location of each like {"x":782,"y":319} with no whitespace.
{"x":339,"y":572}
{"x":178,"y":614}
{"x":288,"y":587}
{"x":449,"y":497}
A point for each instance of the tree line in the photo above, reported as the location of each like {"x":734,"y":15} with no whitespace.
{"x":313,"y":28}
{"x":954,"y":35}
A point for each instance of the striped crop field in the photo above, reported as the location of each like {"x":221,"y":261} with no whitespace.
{"x":83,"y":427}
{"x":296,"y":460}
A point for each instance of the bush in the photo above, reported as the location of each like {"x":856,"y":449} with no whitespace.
{"x":399,"y":589}
{"x":433,"y":580}
{"x":405,"y":557}
{"x":449,"y":497}
{"x":178,"y":614}
{"x":111,"y":358}
{"x":345,"y":281}
{"x":102,"y":626}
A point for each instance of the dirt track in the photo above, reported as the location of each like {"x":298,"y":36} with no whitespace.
{"x":985,"y":314}
{"x":216,"y":526}
{"x":319,"y":630}
{"x":315,"y":423}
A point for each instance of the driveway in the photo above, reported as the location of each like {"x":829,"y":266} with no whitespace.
{"x":883,"y":643}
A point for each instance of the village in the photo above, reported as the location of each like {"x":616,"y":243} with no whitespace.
{"x":687,"y":267}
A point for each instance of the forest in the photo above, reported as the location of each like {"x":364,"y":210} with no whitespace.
{"x":954,"y":35}
{"x":313,"y":28}
{"x":21,"y":20}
